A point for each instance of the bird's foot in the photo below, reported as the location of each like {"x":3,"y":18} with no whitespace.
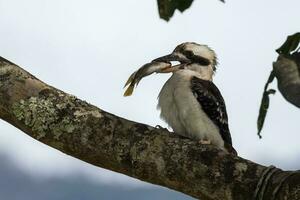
{"x":204,"y":141}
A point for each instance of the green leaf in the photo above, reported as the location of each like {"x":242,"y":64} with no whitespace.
{"x":296,"y":57}
{"x":182,"y":5}
{"x":265,"y":102}
{"x":290,"y":44}
{"x":167,"y":8}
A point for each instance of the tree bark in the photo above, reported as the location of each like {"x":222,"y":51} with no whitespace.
{"x":157,"y":156}
{"x":288,"y":75}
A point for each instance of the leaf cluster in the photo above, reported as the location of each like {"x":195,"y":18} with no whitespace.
{"x":291,"y":49}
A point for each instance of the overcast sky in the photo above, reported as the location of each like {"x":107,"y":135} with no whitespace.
{"x":89,"y":48}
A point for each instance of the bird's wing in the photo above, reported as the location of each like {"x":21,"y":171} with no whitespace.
{"x":212,"y":103}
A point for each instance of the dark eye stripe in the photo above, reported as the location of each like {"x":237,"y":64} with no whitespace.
{"x":198,"y":59}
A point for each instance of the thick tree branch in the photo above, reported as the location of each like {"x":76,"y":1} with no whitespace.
{"x":86,"y":132}
{"x":288,"y":75}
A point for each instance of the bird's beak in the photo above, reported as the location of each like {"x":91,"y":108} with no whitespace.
{"x":169,"y":58}
{"x":172,"y":57}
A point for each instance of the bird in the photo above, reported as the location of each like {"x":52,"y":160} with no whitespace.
{"x":189,"y":102}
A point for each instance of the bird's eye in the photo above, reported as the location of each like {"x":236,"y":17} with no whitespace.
{"x":189,"y":54}
{"x":196,"y":59}
{"x":203,"y":61}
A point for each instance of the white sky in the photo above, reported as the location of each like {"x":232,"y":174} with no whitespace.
{"x":89,"y":48}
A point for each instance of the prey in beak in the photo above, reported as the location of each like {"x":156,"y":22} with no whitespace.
{"x":145,"y":70}
{"x":172,"y":57}
{"x":158,"y":65}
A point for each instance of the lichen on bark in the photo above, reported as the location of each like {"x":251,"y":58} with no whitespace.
{"x":46,"y":114}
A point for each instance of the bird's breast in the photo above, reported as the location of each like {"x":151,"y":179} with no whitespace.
{"x":177,"y":84}
{"x":181,"y":110}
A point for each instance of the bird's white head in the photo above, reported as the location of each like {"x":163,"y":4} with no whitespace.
{"x":192,"y":56}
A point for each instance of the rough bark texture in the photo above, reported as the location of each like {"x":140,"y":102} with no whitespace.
{"x":288,"y":76}
{"x":157,"y":156}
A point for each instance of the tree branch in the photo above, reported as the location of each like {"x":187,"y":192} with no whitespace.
{"x":287,"y":73}
{"x":157,"y":156}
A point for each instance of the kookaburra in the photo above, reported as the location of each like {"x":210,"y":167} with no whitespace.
{"x":189,"y":101}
